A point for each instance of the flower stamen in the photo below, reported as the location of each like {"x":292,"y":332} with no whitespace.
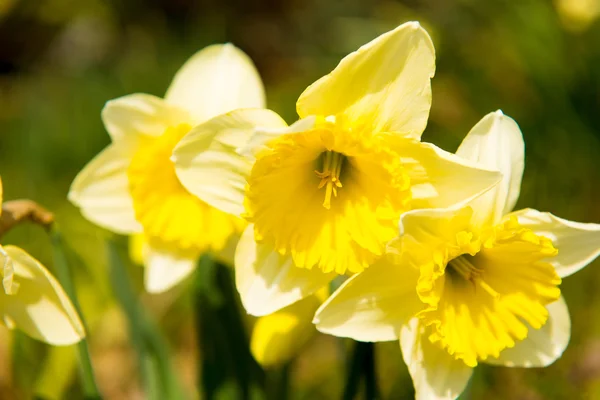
{"x":471,"y":273}
{"x":330,"y":177}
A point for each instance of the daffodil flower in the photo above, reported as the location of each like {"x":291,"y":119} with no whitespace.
{"x":33,"y":301}
{"x":278,"y":337}
{"x":470,"y":284}
{"x":324,"y":195}
{"x":131,"y":186}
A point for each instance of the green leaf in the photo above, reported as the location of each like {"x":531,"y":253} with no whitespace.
{"x":159,"y":380}
{"x":63,"y":274}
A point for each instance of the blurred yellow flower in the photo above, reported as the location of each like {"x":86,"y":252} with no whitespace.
{"x":279,"y":337}
{"x":33,"y":301}
{"x":577,"y":15}
{"x":324,"y":195}
{"x":131,"y":187}
{"x":486,"y":279}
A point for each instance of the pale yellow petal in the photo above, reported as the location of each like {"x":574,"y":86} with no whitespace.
{"x":101,"y":191}
{"x":542,"y":346}
{"x":8,"y":273}
{"x":441,"y":179}
{"x":578,"y":243}
{"x":372,"y":306}
{"x":279,"y":337}
{"x":385,"y":84}
{"x":164,"y":269}
{"x":40,"y":307}
{"x":207,"y":162}
{"x":435,"y":374}
{"x":129,"y":118}
{"x":496,"y":143}
{"x":216,"y":80}
{"x":268,"y":281}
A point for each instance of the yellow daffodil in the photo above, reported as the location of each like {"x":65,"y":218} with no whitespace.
{"x":277,"y":338}
{"x":131,"y":186}
{"x":324,"y":195}
{"x":470,"y":284}
{"x":33,"y":301}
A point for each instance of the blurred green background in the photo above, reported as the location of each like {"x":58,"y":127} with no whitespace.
{"x":61,"y":60}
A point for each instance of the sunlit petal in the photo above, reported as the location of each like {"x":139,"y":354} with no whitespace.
{"x":384,"y":85}
{"x":496,"y":143}
{"x":215,"y":80}
{"x":373,"y":305}
{"x":578,"y":243}
{"x":436,"y":375}
{"x":442,"y":179}
{"x":101,"y":190}
{"x":40,"y":307}
{"x":164,"y":269}
{"x":207,"y":162}
{"x":268,"y":281}
{"x":129,"y":118}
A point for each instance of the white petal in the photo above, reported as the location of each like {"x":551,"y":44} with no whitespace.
{"x":101,"y":190}
{"x":39,"y":307}
{"x":496,"y":143}
{"x":207,"y":162}
{"x":371,"y":306}
{"x":8,"y":272}
{"x":268,"y":281}
{"x":442,"y":179}
{"x":436,"y":375}
{"x":578,"y":243}
{"x":165,"y":269}
{"x":216,"y":80}
{"x":542,"y":346}
{"x":131,"y":117}
{"x":385,"y":84}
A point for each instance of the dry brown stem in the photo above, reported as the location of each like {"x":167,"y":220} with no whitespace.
{"x":15,"y":212}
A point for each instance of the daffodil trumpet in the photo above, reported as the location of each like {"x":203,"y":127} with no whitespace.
{"x":323,"y":196}
{"x":131,"y":187}
{"x":471,"y":283}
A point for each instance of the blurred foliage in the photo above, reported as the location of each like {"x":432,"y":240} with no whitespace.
{"x":61,"y":60}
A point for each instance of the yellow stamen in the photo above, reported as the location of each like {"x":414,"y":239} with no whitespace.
{"x":330,"y":177}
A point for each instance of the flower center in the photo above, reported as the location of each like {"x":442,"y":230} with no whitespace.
{"x":485,"y":291}
{"x":345,"y":228}
{"x":462,"y":267}
{"x":330,"y":177}
{"x":172,"y":218}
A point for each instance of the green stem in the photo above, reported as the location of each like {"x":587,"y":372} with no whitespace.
{"x":279,"y":382}
{"x":224,"y":345}
{"x":158,"y":377}
{"x":369,"y":372}
{"x":362,"y":364}
{"x":63,"y":273}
